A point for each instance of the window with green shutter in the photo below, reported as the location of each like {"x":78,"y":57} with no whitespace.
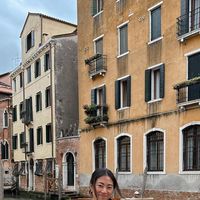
{"x":97,"y":6}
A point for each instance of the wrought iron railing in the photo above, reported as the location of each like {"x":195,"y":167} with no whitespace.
{"x":188,"y":22}
{"x":97,"y":65}
{"x":188,"y":91}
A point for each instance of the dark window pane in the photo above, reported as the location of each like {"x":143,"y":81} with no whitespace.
{"x":156,"y":23}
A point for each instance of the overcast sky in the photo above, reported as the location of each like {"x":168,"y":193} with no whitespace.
{"x":12,"y":17}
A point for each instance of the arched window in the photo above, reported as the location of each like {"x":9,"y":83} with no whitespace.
{"x":100,"y":153}
{"x":155,"y":151}
{"x":4,"y":150}
{"x":191,"y":148}
{"x":123,"y":153}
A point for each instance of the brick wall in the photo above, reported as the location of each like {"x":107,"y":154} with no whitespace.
{"x":39,"y":183}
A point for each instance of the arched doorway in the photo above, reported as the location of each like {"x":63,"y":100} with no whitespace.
{"x":68,"y":171}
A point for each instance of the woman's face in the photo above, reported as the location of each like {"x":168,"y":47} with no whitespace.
{"x":104,"y":188}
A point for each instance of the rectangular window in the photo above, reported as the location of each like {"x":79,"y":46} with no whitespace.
{"x":48,"y":133}
{"x":21,"y":110}
{"x":193,"y":71}
{"x":14,"y":142}
{"x":154,"y":83}
{"x":39,"y":168}
{"x":38,"y":101}
{"x":155,"y":23}
{"x":123,"y":93}
{"x":46,"y":62}
{"x":28,"y":111}
{"x":22,"y":140}
{"x":97,"y":6}
{"x":5,"y":119}
{"x":28,"y":72}
{"x":48,"y":97}
{"x":14,"y":114}
{"x":31,"y":139}
{"x":14,"y":84}
{"x":123,"y":39}
{"x":21,"y":80}
{"x":30,"y":40}
{"x":39,"y":136}
{"x":98,"y":44}
{"x":37,"y":68}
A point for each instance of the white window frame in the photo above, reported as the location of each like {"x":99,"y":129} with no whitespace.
{"x":150,"y":10}
{"x":116,"y":152}
{"x":118,"y":33}
{"x":98,"y":12}
{"x":5,"y":111}
{"x":145,"y":150}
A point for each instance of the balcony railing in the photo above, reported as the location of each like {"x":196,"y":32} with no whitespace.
{"x":188,"y":92}
{"x":97,"y":65}
{"x":189,"y":23}
{"x":96,"y":114}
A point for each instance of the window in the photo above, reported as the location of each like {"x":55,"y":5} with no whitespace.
{"x":48,"y":97}
{"x":21,"y":80}
{"x":4,"y":150}
{"x":39,"y":136}
{"x":37,"y":68}
{"x":48,"y":133}
{"x":123,"y":39}
{"x":30,"y":40}
{"x":23,"y":169}
{"x":98,"y":96}
{"x":39,"y":168}
{"x":98,"y":43}
{"x":31,"y":139}
{"x":100,"y":153}
{"x":155,"y":22}
{"x":21,"y":110}
{"x":15,"y":142}
{"x":5,"y":119}
{"x":22,"y":139}
{"x":28,"y":112}
{"x":14,"y":84}
{"x":123,"y":92}
{"x":14,"y":113}
{"x":193,"y":71}
{"x":191,"y":148}
{"x":38,"y":101}
{"x":28,"y":72}
{"x":154,"y":82}
{"x":46,"y":62}
{"x":123,"y":154}
{"x":97,"y":6}
{"x":49,"y":167}
{"x":155,"y":151}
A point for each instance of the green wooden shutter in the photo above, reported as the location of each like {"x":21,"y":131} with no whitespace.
{"x":93,"y":7}
{"x":93,"y":96}
{"x":104,"y":94}
{"x":147,"y":85}
{"x":185,"y":15}
{"x":117,"y":94}
{"x":129,"y":91}
{"x":162,"y":81}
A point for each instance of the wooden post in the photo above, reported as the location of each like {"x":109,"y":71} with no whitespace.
{"x":1,"y":181}
{"x":45,"y":185}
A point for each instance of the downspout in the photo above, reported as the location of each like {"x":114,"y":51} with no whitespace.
{"x":51,"y":96}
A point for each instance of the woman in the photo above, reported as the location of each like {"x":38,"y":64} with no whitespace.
{"x":103,"y":185}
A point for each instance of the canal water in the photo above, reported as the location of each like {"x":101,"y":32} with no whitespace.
{"x":9,"y":198}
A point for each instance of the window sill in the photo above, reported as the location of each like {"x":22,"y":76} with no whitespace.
{"x":119,"y":56}
{"x":154,"y":100}
{"x":124,"y":108}
{"x":124,"y":173}
{"x":189,"y":172}
{"x":97,"y":14}
{"x":155,"y":40}
{"x":155,"y":172}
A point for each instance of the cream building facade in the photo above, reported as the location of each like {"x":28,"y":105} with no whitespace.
{"x":139,"y":104}
{"x":37,"y":90}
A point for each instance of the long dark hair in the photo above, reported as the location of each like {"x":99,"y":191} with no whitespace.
{"x":104,"y":172}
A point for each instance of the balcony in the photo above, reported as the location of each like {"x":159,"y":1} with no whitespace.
{"x":188,"y":92}
{"x":96,"y":115}
{"x":97,"y":65}
{"x":189,"y":24}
